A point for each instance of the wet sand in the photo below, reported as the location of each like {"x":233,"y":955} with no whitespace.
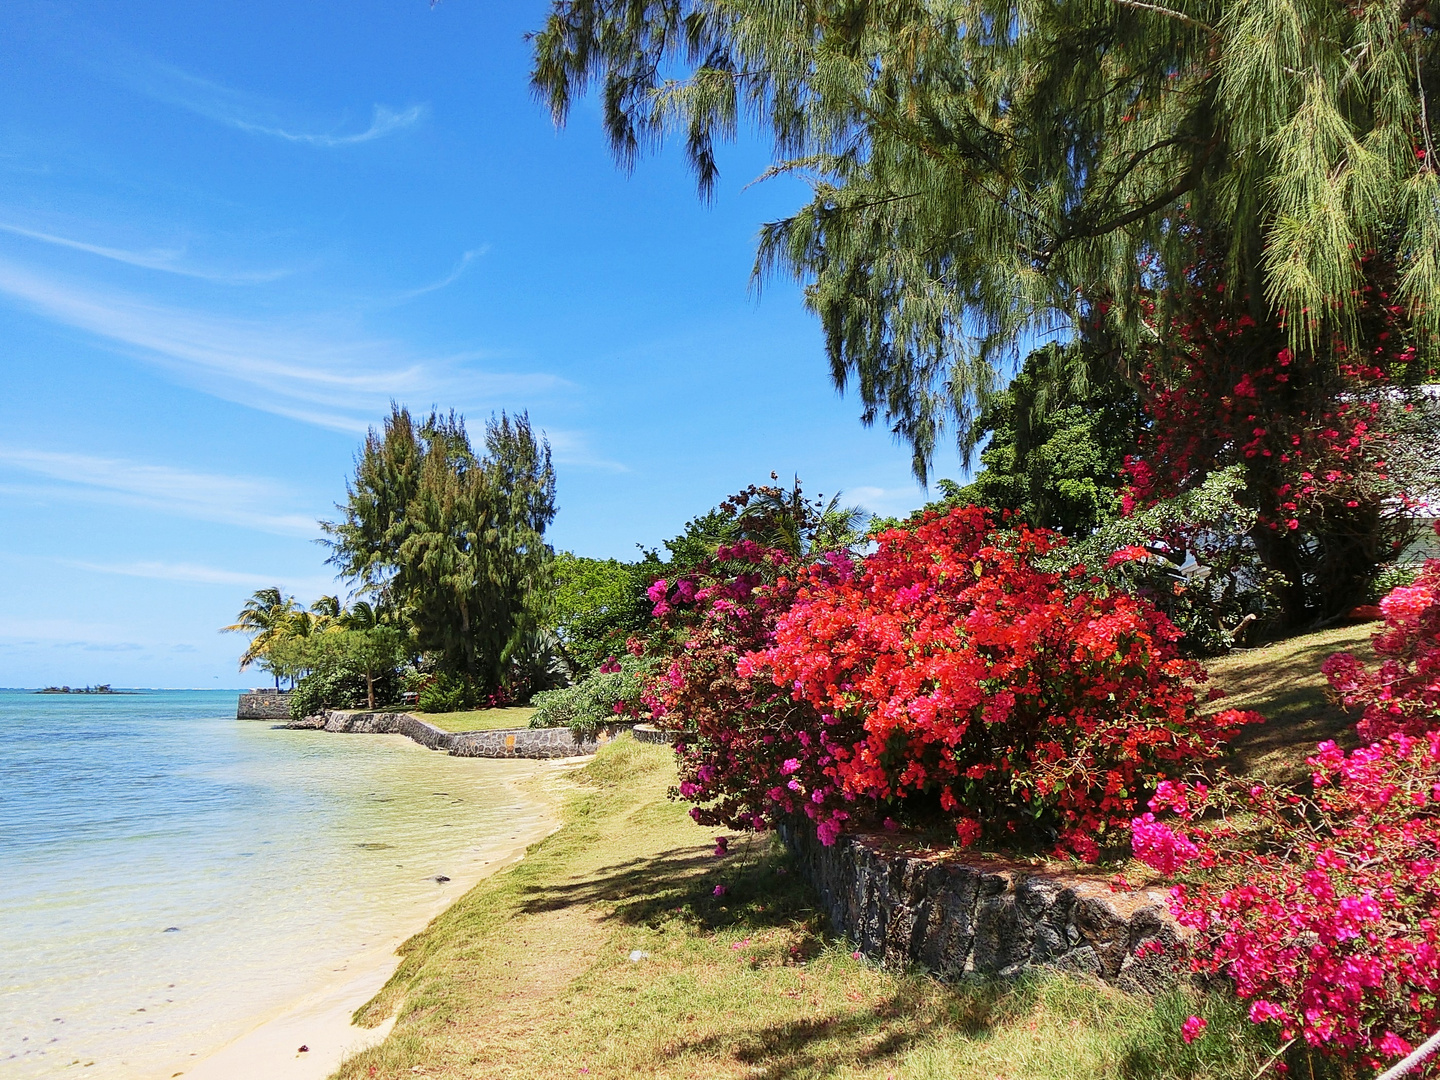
{"x":320,"y":1021}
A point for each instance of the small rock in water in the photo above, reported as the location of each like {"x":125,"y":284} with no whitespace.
{"x":171,"y":930}
{"x":441,"y":878}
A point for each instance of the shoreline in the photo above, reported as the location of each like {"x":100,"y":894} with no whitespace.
{"x":321,"y":1019}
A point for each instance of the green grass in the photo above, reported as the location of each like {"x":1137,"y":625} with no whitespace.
{"x":480,"y":719}
{"x":1283,"y":683}
{"x":529,"y":975}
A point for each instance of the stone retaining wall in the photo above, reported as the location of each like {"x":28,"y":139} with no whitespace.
{"x":506,"y":743}
{"x":263,"y":705}
{"x":986,"y":917}
{"x":652,"y":734}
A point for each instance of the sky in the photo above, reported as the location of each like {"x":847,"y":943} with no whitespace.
{"x":232,"y":234}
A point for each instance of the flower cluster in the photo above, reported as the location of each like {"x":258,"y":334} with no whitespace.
{"x":944,"y":668}
{"x":1323,"y":913}
{"x":740,"y":740}
{"x":1035,"y":710}
{"x":1324,"y":434}
{"x":1403,"y":693}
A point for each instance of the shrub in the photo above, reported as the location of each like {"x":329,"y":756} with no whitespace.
{"x":741,"y":743}
{"x":946,"y":666}
{"x":441,"y":693}
{"x":1323,"y":913}
{"x":1403,"y":693}
{"x":613,"y":691}
{"x":1217,"y":595}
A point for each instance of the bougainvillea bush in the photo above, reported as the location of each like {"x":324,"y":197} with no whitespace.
{"x":1336,"y":441}
{"x":944,"y":668}
{"x":744,"y":747}
{"x":1324,"y":913}
{"x":1402,"y":694}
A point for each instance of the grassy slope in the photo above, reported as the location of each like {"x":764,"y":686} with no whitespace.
{"x":1283,"y":683}
{"x":529,"y":976}
{"x":481,"y":719}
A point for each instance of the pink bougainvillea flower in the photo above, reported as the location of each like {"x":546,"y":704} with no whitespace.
{"x":1192,"y":1028}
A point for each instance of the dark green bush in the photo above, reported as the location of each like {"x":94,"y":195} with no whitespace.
{"x":442,"y":693}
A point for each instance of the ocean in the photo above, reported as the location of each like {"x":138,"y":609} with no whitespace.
{"x":171,"y":876}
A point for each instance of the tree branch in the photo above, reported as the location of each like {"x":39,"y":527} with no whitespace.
{"x":1177,"y":15}
{"x":1180,"y":187}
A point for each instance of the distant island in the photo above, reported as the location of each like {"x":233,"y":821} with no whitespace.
{"x":103,"y":688}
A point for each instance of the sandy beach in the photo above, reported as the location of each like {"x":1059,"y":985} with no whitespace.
{"x":320,"y":1021}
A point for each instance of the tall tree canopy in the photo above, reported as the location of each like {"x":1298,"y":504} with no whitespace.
{"x":981,"y":168}
{"x":454,"y":541}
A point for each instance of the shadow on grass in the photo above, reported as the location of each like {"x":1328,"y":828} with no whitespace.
{"x":760,"y":889}
{"x":821,"y":1045}
{"x":1283,"y":682}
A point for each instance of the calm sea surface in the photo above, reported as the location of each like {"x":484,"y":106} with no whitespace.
{"x":274,"y":856}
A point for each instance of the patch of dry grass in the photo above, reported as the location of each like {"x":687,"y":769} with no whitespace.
{"x":1283,"y":683}
{"x":531,"y":975}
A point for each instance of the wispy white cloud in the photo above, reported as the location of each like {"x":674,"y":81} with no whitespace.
{"x":320,"y":371}
{"x":195,"y":574}
{"x":251,"y":113}
{"x":449,"y":279}
{"x":69,"y":631}
{"x":573,"y":448}
{"x":167,"y":260}
{"x":230,"y":500}
{"x":383,"y":122}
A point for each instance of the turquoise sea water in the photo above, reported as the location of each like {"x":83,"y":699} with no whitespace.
{"x":274,"y":855}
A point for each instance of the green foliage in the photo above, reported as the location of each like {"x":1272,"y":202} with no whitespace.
{"x":611,"y":693}
{"x":346,"y":669}
{"x":1058,"y":436}
{"x":1203,"y":570}
{"x":441,"y":693}
{"x":979,"y":168}
{"x":771,"y":516}
{"x":1392,"y":576}
{"x":453,"y":540}
{"x":596,"y":604}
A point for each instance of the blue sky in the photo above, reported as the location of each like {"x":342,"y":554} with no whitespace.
{"x":230,"y":234}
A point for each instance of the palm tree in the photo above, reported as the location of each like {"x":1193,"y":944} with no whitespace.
{"x":361,"y":615}
{"x":800,"y":526}
{"x":268,"y":616}
{"x":327,"y":609}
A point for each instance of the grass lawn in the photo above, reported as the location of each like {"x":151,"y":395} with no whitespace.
{"x":1283,"y":683}
{"x":480,"y":719}
{"x":530,"y":974}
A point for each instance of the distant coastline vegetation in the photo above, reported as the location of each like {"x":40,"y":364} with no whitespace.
{"x":103,"y":688}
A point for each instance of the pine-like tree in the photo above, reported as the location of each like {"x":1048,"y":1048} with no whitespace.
{"x":982,"y":167}
{"x":454,"y":542}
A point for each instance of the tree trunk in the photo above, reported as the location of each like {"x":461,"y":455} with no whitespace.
{"x":370,"y":690}
{"x":1278,"y":553}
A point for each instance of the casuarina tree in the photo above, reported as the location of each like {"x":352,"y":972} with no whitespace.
{"x":980,"y":167}
{"x":453,"y":540}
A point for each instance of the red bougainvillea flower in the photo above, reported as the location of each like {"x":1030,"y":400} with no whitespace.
{"x":947,"y":667}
